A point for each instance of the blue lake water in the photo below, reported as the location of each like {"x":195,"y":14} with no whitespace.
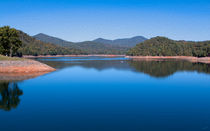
{"x":109,"y":94}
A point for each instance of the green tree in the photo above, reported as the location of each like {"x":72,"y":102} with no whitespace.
{"x":9,"y":41}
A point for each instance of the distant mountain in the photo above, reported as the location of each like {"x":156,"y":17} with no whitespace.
{"x":126,"y":42}
{"x":89,"y":47}
{"x":31,"y":46}
{"x":54,"y":40}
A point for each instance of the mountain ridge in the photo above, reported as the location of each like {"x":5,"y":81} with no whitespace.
{"x":90,"y":47}
{"x":32,"y":46}
{"x":127,"y":42}
{"x":124,"y":42}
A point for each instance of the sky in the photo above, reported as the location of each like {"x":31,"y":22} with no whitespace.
{"x":81,"y":20}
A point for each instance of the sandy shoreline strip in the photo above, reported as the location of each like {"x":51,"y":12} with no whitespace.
{"x":43,"y":56}
{"x":187,"y":58}
{"x":24,"y":66}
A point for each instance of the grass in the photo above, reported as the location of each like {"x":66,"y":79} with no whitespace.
{"x":6,"y":58}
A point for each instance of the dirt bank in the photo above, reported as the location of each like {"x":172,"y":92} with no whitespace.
{"x":29,"y":56}
{"x":24,"y":66}
{"x":187,"y":58}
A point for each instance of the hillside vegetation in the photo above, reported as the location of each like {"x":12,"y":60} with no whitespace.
{"x":89,"y":47}
{"x":125,"y":42}
{"x":18,"y":43}
{"x":98,"y":48}
{"x":161,"y":46}
{"x":31,"y":46}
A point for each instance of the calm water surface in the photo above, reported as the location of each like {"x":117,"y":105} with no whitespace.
{"x":109,"y":94}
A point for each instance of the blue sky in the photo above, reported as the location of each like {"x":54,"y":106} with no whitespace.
{"x":80,"y":20}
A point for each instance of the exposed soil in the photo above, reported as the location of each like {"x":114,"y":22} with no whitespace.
{"x":187,"y":58}
{"x":24,"y":66}
{"x":28,"y":56}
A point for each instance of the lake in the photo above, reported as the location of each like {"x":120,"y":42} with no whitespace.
{"x":109,"y":94}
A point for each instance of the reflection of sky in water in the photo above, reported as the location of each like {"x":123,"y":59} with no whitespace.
{"x":85,"y":98}
{"x":73,"y":62}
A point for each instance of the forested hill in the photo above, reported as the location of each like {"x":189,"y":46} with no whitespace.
{"x":161,"y":46}
{"x":90,"y":47}
{"x":31,"y":46}
{"x":54,"y":40}
{"x":126,"y":42}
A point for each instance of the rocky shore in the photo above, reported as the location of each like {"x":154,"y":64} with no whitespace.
{"x":187,"y":58}
{"x":23,"y":66}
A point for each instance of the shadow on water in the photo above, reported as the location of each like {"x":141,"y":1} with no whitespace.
{"x":9,"y":95}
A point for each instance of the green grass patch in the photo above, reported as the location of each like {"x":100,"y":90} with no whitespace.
{"x":6,"y":58}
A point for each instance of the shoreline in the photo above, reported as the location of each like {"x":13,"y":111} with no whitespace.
{"x":205,"y":60}
{"x":148,"y":58}
{"x":32,"y":66}
{"x":43,"y":56}
{"x":24,"y":66}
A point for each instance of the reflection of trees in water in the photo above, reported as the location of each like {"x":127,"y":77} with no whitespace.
{"x":96,"y":64}
{"x":167,"y":68}
{"x":9,"y":95}
{"x":153,"y":68}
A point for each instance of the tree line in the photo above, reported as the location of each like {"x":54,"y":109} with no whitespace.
{"x":161,"y":46}
{"x":18,"y":43}
{"x":32,"y":46}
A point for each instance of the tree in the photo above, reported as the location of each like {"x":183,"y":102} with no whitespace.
{"x":9,"y":41}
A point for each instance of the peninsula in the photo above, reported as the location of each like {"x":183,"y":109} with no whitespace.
{"x":20,"y":65}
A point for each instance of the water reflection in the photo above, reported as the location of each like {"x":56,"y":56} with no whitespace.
{"x":96,"y":64}
{"x":9,"y":95}
{"x":104,"y":95}
{"x":153,"y":68}
{"x":10,"y":91}
{"x":167,"y":68}
{"x":19,"y":76}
